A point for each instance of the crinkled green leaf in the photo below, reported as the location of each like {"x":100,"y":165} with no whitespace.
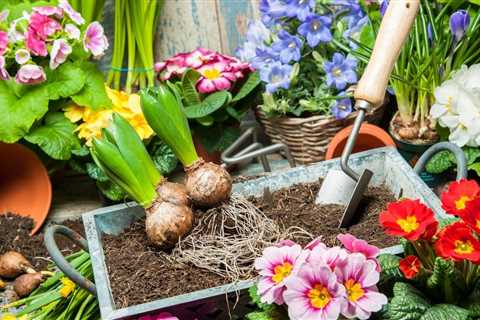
{"x":17,"y":114}
{"x":389,"y":264}
{"x":442,"y":270}
{"x":407,"y":303}
{"x":472,"y":154}
{"x":163,"y":157}
{"x":189,"y":87}
{"x":209,"y":105}
{"x":445,"y":312}
{"x":266,"y":315}
{"x":250,"y":84}
{"x":65,"y":81}
{"x":475,"y":167}
{"x":111,"y":190}
{"x":82,"y":151}
{"x":255,"y":297}
{"x":95,"y":172}
{"x":440,"y":162}
{"x":473,"y":302}
{"x":93,"y":94}
{"x":55,"y":136}
{"x":78,"y":166}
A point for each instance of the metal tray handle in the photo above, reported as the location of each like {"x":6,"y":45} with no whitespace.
{"x":60,"y":260}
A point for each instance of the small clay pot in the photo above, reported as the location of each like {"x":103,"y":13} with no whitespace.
{"x":369,"y":137}
{"x":25,"y":187}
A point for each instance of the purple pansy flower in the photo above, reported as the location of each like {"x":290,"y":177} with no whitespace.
{"x":276,"y":76}
{"x":459,"y":22}
{"x":316,"y":29}
{"x":340,"y":71}
{"x":288,"y":47}
{"x":3,"y":71}
{"x":95,"y":40}
{"x":342,"y":108}
{"x":300,"y":8}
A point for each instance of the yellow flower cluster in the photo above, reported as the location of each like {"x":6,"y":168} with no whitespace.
{"x":9,"y":316}
{"x":92,"y":122}
{"x":67,"y":288}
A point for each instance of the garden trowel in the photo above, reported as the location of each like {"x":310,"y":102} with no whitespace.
{"x":346,"y":187}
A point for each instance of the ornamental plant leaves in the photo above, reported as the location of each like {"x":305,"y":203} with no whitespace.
{"x":93,"y":94}
{"x":473,"y":302}
{"x":407,"y":303}
{"x":95,"y":172}
{"x":209,"y":105}
{"x":163,"y":157}
{"x":255,"y":297}
{"x":390,"y":270}
{"x":442,"y":273}
{"x":445,"y":312}
{"x":252,"y":82}
{"x":55,"y":137}
{"x":111,"y":190}
{"x":189,"y":87}
{"x":20,"y":112}
{"x":440,"y":162}
{"x":65,"y":81}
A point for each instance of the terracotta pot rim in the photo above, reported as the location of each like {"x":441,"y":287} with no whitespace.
{"x":366,"y":129}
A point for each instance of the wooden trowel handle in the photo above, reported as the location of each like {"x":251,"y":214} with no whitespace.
{"x":394,"y":29}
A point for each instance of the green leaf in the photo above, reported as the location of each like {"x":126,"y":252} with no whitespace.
{"x":82,"y":151}
{"x":440,"y":162}
{"x":206,"y":121}
{"x":77,"y":166}
{"x":475,"y":167}
{"x":111,"y":190}
{"x":255,"y":297}
{"x":189,"y":87}
{"x":252,"y":82}
{"x":389,"y":264}
{"x":473,"y":301}
{"x":266,"y":315}
{"x":19,"y":113}
{"x":445,"y":312}
{"x":93,"y":94}
{"x":65,"y":81}
{"x":407,"y":303}
{"x":163,"y":157}
{"x":56,"y":136}
{"x":477,"y":2}
{"x":442,"y":270}
{"x":216,"y":137}
{"x":95,"y":172}
{"x":212,"y":103}
{"x":472,"y":154}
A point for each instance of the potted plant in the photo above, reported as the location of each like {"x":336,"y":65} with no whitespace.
{"x":217,"y":91}
{"x":439,"y":276}
{"x":308,"y":81}
{"x":443,"y":39}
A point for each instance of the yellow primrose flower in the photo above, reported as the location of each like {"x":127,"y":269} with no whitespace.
{"x":67,"y":288}
{"x":74,"y":113}
{"x":117,"y":97}
{"x":8,"y":316}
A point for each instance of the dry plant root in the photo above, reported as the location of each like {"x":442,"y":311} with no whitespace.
{"x":208,"y":184}
{"x":26,"y":283}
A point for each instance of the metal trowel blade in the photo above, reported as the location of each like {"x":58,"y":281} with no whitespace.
{"x":355,"y":198}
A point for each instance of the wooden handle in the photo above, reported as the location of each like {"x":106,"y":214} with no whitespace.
{"x":393,"y":31}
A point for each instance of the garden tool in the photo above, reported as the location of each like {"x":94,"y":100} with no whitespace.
{"x":346,"y":187}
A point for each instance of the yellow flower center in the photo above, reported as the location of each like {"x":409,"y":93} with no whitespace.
{"x":463,"y":247}
{"x":8,"y":316}
{"x":67,"y":288}
{"x":354,"y":290}
{"x":282,"y":271}
{"x":337,"y":72}
{"x":461,"y":203}
{"x":211,"y":74}
{"x":319,"y":296}
{"x":408,"y":224}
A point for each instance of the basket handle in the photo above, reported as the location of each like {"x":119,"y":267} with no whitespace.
{"x":60,"y":260}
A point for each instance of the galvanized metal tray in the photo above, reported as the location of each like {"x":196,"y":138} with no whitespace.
{"x":389,"y":169}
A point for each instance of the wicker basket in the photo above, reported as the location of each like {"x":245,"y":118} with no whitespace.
{"x":308,"y":138}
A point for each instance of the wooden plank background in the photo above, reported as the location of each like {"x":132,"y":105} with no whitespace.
{"x":215,"y":24}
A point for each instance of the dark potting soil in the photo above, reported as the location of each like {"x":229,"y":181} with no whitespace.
{"x":140,"y":273}
{"x":15,"y":235}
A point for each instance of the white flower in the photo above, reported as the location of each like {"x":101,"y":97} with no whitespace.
{"x":22,"y":56}
{"x":72,"y":31}
{"x":445,"y":106}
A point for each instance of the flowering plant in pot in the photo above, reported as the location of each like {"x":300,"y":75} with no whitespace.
{"x":456,"y":110}
{"x":308,"y":80}
{"x":439,"y":275}
{"x":442,"y":40}
{"x":45,"y":53}
{"x":318,"y":282}
{"x":217,"y":91}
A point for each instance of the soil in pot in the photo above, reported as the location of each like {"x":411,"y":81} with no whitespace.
{"x":141,"y":273}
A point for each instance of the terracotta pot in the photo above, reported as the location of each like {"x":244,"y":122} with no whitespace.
{"x":25,"y":187}
{"x":370,"y":137}
{"x":214,"y":157}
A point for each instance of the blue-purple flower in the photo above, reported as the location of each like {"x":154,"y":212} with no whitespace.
{"x":342,"y":107}
{"x":271,"y":10}
{"x":276,"y":76}
{"x":383,"y":7}
{"x":263,"y":56}
{"x":300,"y":8}
{"x":288,"y":47}
{"x":340,"y":71}
{"x":459,"y":22}
{"x":257,"y":35}
{"x":316,"y":29}
{"x":353,"y":32}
